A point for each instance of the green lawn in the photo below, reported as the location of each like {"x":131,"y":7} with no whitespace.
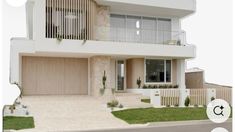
{"x":17,"y":123}
{"x":145,"y":115}
{"x":145,"y":100}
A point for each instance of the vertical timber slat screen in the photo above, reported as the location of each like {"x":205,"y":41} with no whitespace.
{"x":225,"y":94}
{"x":198,"y":96}
{"x":70,"y":19}
{"x":169,"y":97}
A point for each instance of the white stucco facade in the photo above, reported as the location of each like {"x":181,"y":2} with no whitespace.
{"x":36,"y":44}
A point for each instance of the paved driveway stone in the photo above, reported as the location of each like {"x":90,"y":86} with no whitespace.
{"x":67,"y":113}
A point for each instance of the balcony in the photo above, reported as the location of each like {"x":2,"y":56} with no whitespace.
{"x":145,"y":36}
{"x":123,"y":35}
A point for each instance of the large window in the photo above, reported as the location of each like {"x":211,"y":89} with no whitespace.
{"x":164,"y":30}
{"x":133,"y":30}
{"x":149,"y":28}
{"x":118,"y":28}
{"x":140,"y":29}
{"x":158,"y":71}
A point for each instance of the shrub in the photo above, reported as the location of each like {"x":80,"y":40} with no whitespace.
{"x":195,"y":105}
{"x":120,"y":106}
{"x":149,"y":86}
{"x":168,"y":105}
{"x":165,"y":86}
{"x":24,"y":106}
{"x":169,"y":86}
{"x":212,"y":98}
{"x":113,"y":103}
{"x":204,"y":106}
{"x":138,"y":82}
{"x":187,"y":102}
{"x":145,"y":87}
{"x":176,"y":105}
{"x":176,"y":86}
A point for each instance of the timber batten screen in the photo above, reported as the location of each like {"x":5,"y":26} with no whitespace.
{"x":70,"y":19}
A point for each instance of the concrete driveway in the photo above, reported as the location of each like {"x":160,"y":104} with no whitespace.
{"x":67,"y":113}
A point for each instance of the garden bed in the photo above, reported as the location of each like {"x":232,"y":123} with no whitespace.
{"x":145,"y":100}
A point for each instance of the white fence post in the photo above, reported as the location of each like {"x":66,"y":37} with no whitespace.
{"x":184,"y":93}
{"x":155,"y":98}
{"x":209,"y":94}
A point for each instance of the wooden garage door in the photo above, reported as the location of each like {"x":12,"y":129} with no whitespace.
{"x":54,"y":76}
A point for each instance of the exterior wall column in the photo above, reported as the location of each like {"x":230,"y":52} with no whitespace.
{"x":181,"y":80}
{"x":103,"y":23}
{"x":99,"y":64}
{"x":181,"y":73}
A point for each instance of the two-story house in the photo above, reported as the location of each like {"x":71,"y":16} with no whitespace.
{"x":71,"y":43}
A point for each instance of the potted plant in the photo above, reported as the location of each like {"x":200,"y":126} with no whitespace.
{"x":104,"y":78}
{"x":12,"y":108}
{"x":138,"y":82}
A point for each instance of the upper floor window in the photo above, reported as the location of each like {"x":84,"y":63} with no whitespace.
{"x":140,"y":29}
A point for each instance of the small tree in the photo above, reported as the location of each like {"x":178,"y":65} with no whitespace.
{"x":138,"y":82}
{"x":104,"y":80}
{"x":187,"y":102}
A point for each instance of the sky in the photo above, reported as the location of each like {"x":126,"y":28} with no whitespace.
{"x":209,"y":29}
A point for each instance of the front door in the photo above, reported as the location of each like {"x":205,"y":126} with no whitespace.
{"x":120,"y":74}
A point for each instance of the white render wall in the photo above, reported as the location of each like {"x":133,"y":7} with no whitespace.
{"x":115,"y":48}
{"x":39,"y":20}
{"x":181,"y":73}
{"x":29,"y":18}
{"x":180,"y":4}
{"x":39,"y":44}
{"x":19,"y":46}
{"x":94,"y":48}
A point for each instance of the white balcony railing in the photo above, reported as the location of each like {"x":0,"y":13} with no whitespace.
{"x":147,"y":36}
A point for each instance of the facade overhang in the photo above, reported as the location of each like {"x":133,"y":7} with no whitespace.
{"x":107,"y":48}
{"x":166,"y":8}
